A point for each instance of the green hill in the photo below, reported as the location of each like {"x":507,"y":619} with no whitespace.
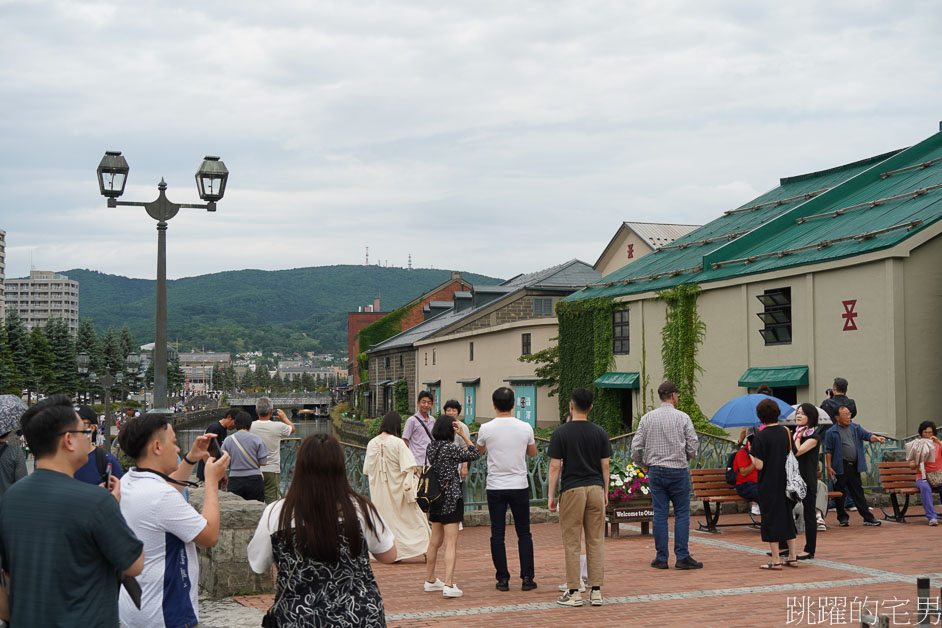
{"x":302,"y":309}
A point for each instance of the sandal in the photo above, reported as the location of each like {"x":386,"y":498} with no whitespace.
{"x":771,"y":566}
{"x":791,"y":563}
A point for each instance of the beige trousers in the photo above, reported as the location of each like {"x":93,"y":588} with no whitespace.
{"x":582,"y":509}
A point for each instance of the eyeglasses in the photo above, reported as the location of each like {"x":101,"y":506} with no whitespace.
{"x":86,"y":432}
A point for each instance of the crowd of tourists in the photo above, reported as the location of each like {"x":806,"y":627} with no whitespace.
{"x":84,"y":541}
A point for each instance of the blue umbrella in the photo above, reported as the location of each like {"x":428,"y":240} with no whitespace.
{"x":741,"y":411}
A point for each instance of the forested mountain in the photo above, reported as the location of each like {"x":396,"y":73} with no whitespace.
{"x":302,"y":309}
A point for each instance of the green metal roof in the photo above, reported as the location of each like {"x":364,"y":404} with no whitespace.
{"x":469,"y":381}
{"x":853,"y":209}
{"x":614,"y":379}
{"x":774,"y":376}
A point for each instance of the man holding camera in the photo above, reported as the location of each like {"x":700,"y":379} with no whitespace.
{"x":271,"y":433}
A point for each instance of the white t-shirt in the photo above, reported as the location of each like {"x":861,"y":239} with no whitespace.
{"x":271,"y":433}
{"x":161,"y":518}
{"x":506,"y":439}
{"x":260,"y":552}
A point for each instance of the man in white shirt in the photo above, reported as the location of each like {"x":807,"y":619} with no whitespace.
{"x":508,"y":441}
{"x":271,"y":433}
{"x":154,"y":507}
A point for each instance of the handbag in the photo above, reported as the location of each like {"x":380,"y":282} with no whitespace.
{"x":269,"y":620}
{"x":934,"y":478}
{"x":795,"y":487}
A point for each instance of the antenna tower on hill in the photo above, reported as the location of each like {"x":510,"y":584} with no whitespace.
{"x":410,"y":261}
{"x":367,"y":262}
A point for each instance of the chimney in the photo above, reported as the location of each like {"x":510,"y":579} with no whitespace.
{"x":360,"y":308}
{"x":376,"y":305}
{"x":456,"y":274}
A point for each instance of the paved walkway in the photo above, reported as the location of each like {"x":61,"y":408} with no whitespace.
{"x":856,"y":567}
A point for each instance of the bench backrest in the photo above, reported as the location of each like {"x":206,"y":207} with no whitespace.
{"x":711,"y":483}
{"x":896,"y":475}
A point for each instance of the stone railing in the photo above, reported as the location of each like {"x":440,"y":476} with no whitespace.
{"x":224,"y":568}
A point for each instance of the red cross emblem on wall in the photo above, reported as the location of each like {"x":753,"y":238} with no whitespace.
{"x":523,"y":402}
{"x":631,"y":251}
{"x":849,"y":315}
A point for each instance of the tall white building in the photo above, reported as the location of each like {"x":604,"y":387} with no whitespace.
{"x":44,"y":296}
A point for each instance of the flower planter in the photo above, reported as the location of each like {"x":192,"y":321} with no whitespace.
{"x":639,"y":509}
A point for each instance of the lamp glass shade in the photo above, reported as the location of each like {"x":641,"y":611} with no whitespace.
{"x":211,"y":179}
{"x":82,"y":362}
{"x":112,"y":174}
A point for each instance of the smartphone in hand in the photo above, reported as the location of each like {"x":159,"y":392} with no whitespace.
{"x":108,"y":477}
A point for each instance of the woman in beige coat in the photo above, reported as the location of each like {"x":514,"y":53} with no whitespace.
{"x":391,"y":469}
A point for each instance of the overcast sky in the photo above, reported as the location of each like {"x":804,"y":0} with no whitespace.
{"x":494,"y":137}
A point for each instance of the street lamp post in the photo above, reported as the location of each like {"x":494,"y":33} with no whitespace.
{"x":211,"y":184}
{"x":133,"y":365}
{"x":82,"y":363}
{"x":108,"y":380}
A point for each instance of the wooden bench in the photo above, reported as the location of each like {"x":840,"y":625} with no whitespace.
{"x":897,"y":478}
{"x":710,"y":487}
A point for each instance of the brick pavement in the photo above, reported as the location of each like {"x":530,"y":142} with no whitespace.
{"x":856,"y":562}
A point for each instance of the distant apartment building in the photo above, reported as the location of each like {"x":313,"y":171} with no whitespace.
{"x":198,"y":368}
{"x":44,"y":296}
{"x":3,"y":266}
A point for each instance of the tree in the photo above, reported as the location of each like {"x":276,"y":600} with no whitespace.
{"x":18,"y":345}
{"x":247,"y":382}
{"x":65,"y":376}
{"x":87,"y":341}
{"x":262,"y":377}
{"x":43,"y":361}
{"x":8,"y":374}
{"x":128,"y":343}
{"x":176,"y":378}
{"x":277,"y":384}
{"x":307,"y":382}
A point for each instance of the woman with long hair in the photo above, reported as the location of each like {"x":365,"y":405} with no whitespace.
{"x":447,"y":511}
{"x":391,"y":468}
{"x":807,"y":438}
{"x":320,"y":536}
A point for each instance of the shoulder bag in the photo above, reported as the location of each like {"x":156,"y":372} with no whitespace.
{"x":795,"y":487}
{"x":245,"y":453}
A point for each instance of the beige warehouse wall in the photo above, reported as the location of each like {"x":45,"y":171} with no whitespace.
{"x":495,"y":358}
{"x":616,"y":256}
{"x":923,"y":333}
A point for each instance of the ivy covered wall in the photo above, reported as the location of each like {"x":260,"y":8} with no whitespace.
{"x":585,"y":353}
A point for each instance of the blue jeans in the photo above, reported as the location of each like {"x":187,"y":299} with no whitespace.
{"x":670,"y":486}
{"x":519,"y":501}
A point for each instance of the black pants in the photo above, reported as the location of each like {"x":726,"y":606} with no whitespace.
{"x":811,"y":519}
{"x":248,"y":487}
{"x":849,"y":482}
{"x":519,"y":501}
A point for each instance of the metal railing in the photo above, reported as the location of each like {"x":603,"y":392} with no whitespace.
{"x":712,"y":453}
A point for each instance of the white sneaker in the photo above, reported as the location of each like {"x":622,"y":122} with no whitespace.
{"x":822,"y":527}
{"x":564,"y":587}
{"x":438,"y":585}
{"x":595,"y":597}
{"x":452,"y":591}
{"x":755,"y":510}
{"x":569,"y":599}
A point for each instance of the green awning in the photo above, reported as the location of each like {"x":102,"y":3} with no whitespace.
{"x":469,"y":381}
{"x":615,"y":379}
{"x":433,"y":382}
{"x":774,"y":376}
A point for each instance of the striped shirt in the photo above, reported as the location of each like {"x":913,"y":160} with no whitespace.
{"x":665,"y":438}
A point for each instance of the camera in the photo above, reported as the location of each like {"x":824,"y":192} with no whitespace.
{"x":829,"y":392}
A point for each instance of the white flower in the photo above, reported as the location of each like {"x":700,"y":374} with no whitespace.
{"x":645,"y":490}
{"x":619,"y":482}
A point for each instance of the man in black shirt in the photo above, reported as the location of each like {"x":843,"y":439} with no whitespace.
{"x":221,"y":429}
{"x":839,"y":398}
{"x":583,"y":450}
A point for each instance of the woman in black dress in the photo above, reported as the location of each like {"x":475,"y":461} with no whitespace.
{"x":448,"y":511}
{"x":770,"y":449}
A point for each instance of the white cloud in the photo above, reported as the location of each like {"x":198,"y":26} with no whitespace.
{"x":492,"y":137}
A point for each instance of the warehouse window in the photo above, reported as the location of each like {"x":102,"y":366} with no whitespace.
{"x":620,"y":343}
{"x":776,"y":315}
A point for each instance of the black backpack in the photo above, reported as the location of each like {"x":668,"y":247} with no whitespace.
{"x":101,"y":462}
{"x":430,"y":487}
{"x":730,"y":472}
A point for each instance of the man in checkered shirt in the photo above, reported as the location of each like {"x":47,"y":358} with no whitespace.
{"x":663,"y":446}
